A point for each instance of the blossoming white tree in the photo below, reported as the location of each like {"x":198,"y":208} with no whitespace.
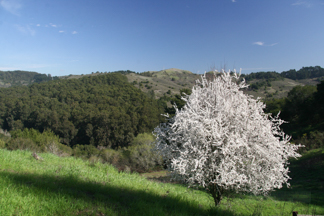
{"x":222,"y":140}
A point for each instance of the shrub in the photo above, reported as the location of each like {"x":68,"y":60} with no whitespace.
{"x":22,"y":144}
{"x":110,"y":156}
{"x":58,"y":149}
{"x":4,"y":133}
{"x":313,"y":140}
{"x":118,"y":158}
{"x":144,"y":138}
{"x":64,"y":150}
{"x":141,"y":154}
{"x":36,"y":141}
{"x":5,"y":137}
{"x":143,"y":158}
{"x":85,"y":151}
{"x":2,"y":144}
{"x":94,"y":159}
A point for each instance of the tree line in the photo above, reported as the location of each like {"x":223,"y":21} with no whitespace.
{"x":303,"y":73}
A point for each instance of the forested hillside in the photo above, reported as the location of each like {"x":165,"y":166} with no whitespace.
{"x":110,"y":109}
{"x":22,"y":78}
{"x":100,"y":110}
{"x":169,"y":82}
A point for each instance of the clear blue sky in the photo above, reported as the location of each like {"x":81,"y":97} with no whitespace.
{"x":62,"y":37}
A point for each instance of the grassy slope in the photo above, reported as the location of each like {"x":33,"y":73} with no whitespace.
{"x":307,"y":183}
{"x":176,"y":79}
{"x":162,"y":81}
{"x":69,"y":186}
{"x":278,"y":89}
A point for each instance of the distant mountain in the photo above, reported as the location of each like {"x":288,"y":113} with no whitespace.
{"x":22,"y":78}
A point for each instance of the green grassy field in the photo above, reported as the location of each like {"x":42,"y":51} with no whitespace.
{"x":70,"y":186}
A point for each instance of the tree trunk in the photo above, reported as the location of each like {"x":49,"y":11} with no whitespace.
{"x":216,"y":192}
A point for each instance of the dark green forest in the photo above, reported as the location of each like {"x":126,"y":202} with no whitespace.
{"x":103,"y":110}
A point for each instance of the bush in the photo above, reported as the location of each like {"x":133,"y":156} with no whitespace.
{"x":4,"y":133}
{"x":144,"y":138}
{"x":5,"y":136}
{"x":58,"y":149}
{"x":2,"y":144}
{"x":313,"y":140}
{"x":85,"y":151}
{"x":42,"y":140}
{"x":34,"y":140}
{"x":141,"y":154}
{"x":94,"y":159}
{"x":143,"y":158}
{"x":64,"y":150}
{"x":23,"y":144}
{"x":110,"y":156}
{"x":117,"y":158}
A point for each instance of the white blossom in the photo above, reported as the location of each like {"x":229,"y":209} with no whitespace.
{"x":222,"y":138}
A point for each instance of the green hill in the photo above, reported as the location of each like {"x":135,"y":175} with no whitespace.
{"x":16,"y":78}
{"x":22,"y":78}
{"x":162,"y":82}
{"x":168,"y":82}
{"x":172,"y":80}
{"x":70,"y":186}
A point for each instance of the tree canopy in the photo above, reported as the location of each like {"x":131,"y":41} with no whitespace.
{"x":100,"y":110}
